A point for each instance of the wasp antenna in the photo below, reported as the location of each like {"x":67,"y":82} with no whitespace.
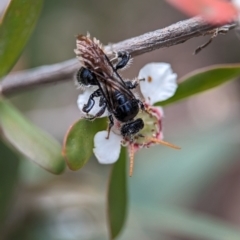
{"x":131,"y":156}
{"x":155,"y":140}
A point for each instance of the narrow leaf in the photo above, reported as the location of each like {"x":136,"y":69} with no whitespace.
{"x":16,"y":26}
{"x":117,"y":196}
{"x":78,"y":143}
{"x":29,"y":140}
{"x":202,"y":80}
{"x":8,"y":177}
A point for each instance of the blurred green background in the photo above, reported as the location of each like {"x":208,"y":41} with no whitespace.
{"x":189,"y":194}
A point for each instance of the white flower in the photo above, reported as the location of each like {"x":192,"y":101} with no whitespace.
{"x":159,"y":84}
{"x":107,"y":150}
{"x":236,"y":3}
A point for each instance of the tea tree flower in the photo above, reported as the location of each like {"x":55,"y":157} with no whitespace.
{"x":236,"y":3}
{"x":159,"y":84}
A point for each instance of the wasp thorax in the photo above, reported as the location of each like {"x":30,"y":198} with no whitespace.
{"x":126,"y":108}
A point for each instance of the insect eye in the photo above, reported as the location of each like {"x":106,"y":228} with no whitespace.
{"x":86,"y":77}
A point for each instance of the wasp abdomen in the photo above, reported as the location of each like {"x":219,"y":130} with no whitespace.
{"x":126,"y":108}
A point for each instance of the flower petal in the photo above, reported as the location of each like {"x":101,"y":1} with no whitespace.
{"x":236,"y":3}
{"x":83,"y":99}
{"x":107,"y":151}
{"x":160,"y":82}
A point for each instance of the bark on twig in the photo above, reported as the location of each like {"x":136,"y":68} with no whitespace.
{"x":174,"y":34}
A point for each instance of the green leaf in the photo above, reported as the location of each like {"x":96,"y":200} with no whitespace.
{"x":117,"y":196}
{"x":29,"y":140}
{"x":202,"y":80}
{"x":78,"y":143}
{"x":8,"y":177}
{"x":16,"y":27}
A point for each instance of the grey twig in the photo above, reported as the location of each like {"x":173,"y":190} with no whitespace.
{"x":174,"y":34}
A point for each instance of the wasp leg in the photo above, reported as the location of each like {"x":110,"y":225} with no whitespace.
{"x":144,"y":108}
{"x":131,"y":85}
{"x":141,"y":105}
{"x":100,"y":112}
{"x":87,"y":107}
{"x":125,"y":56}
{"x":102,"y":101}
{"x":110,"y":124}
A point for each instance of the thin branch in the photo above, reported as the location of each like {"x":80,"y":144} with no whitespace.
{"x":215,"y":32}
{"x":174,"y":34}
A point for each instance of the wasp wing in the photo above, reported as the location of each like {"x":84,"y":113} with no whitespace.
{"x":91,"y":55}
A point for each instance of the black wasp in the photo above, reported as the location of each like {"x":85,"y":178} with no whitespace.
{"x":115,"y":94}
